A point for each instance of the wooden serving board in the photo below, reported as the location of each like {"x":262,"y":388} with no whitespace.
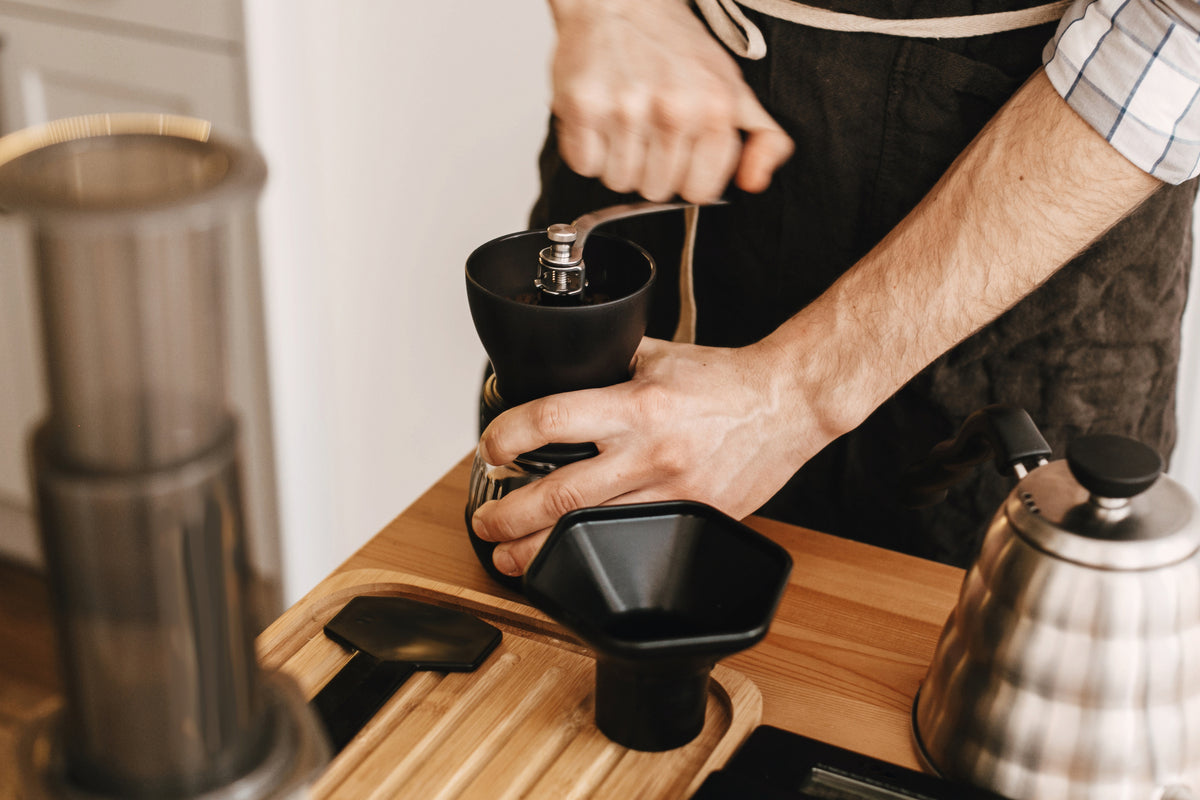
{"x":521,"y":726}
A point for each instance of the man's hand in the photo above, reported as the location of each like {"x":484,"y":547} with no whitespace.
{"x":698,"y":423}
{"x":646,"y":100}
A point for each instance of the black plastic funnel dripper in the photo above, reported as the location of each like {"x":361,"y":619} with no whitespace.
{"x":660,"y":592}
{"x":538,"y":350}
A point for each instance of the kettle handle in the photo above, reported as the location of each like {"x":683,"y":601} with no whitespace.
{"x":1004,"y":433}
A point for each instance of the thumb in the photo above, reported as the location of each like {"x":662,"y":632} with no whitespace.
{"x":647,"y":350}
{"x":765,"y":149}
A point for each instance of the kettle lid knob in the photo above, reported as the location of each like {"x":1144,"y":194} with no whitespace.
{"x":1113,"y":466}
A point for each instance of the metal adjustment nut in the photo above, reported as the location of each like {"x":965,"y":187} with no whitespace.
{"x":558,"y":273}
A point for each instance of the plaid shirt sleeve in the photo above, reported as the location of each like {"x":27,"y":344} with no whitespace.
{"x":1131,"y":69}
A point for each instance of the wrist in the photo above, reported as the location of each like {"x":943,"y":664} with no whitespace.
{"x":824,"y":377}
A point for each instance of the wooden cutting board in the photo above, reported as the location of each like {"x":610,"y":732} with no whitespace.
{"x":521,"y":726}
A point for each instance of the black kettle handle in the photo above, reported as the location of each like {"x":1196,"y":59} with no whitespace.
{"x":1002,"y":432}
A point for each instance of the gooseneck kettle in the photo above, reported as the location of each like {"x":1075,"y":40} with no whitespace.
{"x":1070,"y":666}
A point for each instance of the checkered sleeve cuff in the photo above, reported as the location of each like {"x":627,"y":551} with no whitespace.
{"x":1131,"y":69}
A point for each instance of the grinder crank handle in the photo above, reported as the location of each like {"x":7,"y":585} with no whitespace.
{"x":1003,"y":433}
{"x":588,"y":222}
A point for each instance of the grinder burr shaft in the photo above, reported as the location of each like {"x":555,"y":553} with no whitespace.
{"x":561,"y":269}
{"x":560,"y":275}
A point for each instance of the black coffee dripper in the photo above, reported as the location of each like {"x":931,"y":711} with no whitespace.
{"x":661,"y":592}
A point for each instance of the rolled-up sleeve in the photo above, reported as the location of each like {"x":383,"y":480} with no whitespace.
{"x":1131,"y":69}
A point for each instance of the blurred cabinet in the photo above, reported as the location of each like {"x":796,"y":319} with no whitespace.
{"x":61,"y":58}
{"x":219,"y":20}
{"x":53,"y":70}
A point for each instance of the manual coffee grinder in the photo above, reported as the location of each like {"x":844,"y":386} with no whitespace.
{"x":553,"y":321}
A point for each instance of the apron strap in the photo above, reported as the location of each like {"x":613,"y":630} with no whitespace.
{"x":685,"y":329}
{"x":744,"y":38}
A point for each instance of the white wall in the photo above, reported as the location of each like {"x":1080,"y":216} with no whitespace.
{"x":400,"y":135}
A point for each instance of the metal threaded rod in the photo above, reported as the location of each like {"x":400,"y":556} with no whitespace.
{"x":560,"y":275}
{"x":561,"y":267}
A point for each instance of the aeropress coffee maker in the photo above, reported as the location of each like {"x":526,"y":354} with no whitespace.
{"x":136,"y":468}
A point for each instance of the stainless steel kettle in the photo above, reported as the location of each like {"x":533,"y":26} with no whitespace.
{"x":1070,"y":667}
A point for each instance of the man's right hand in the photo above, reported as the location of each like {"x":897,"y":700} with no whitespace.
{"x":646,"y":100}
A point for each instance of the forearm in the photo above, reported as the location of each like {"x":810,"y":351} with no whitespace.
{"x":1033,"y":190}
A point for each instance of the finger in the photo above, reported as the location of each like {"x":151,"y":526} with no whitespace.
{"x":513,"y":558}
{"x":541,"y":504}
{"x":667,"y":157}
{"x":624,"y":126}
{"x":584,"y":416}
{"x":766,"y":148}
{"x":714,"y":158}
{"x":764,"y":152}
{"x":583,"y":148}
{"x":675,"y":123}
{"x":625,"y":161}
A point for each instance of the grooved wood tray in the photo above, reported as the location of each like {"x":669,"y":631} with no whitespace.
{"x":520,"y":726}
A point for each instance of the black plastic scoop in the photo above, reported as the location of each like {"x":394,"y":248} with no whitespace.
{"x":394,"y":637}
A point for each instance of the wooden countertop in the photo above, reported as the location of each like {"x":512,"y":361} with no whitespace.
{"x":846,"y":652}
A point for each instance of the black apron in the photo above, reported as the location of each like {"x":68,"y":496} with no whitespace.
{"x":876,"y":121}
